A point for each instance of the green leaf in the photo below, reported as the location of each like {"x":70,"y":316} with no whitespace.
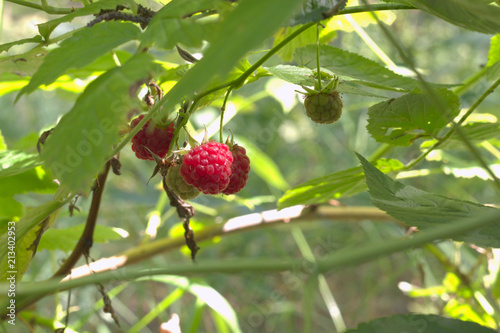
{"x":47,"y":28}
{"x":419,"y":323}
{"x":7,"y":46}
{"x":169,"y":26}
{"x":23,"y":64}
{"x":293,"y":74}
{"x":34,"y":180}
{"x":473,"y":15}
{"x":102,"y":64}
{"x":263,"y":165}
{"x":28,"y":231}
{"x":343,"y":183}
{"x":83,"y":140}
{"x":66,"y":239}
{"x":13,"y":162}
{"x":402,"y":120}
{"x":305,"y":76}
{"x":345,"y":63}
{"x":91,"y":42}
{"x":418,"y":208}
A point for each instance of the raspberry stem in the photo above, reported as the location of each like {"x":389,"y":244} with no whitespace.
{"x":222,"y":109}
{"x":317,"y":56}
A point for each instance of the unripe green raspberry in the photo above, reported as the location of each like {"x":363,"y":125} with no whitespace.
{"x":178,"y":185}
{"x":324,"y":108}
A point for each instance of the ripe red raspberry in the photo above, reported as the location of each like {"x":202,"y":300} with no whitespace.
{"x":324,"y":108}
{"x":239,"y":170}
{"x":177,"y":184}
{"x":155,"y":139}
{"x":208,"y":167}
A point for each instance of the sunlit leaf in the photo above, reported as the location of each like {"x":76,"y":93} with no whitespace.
{"x":13,"y":162}
{"x":343,"y":183}
{"x":28,"y":231}
{"x":418,"y":208}
{"x":418,"y":323}
{"x":93,"y":42}
{"x":494,"y":53}
{"x":3,"y":145}
{"x":402,"y":120}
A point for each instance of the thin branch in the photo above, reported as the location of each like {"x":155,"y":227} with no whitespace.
{"x":85,"y":242}
{"x":270,"y":218}
{"x":47,"y":9}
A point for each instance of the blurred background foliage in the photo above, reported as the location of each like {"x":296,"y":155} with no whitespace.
{"x":270,"y":117}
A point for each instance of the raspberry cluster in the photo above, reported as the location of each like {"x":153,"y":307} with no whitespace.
{"x":157,"y":139}
{"x":213,"y":168}
{"x":324,"y":108}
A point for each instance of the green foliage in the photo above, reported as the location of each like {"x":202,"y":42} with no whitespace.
{"x":343,"y":184}
{"x":93,"y":42}
{"x":418,"y":208}
{"x":87,"y":133}
{"x":47,"y":28}
{"x":402,"y":120}
{"x":175,"y":29}
{"x":474,"y":15}
{"x":112,"y":70}
{"x":415,"y":323}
